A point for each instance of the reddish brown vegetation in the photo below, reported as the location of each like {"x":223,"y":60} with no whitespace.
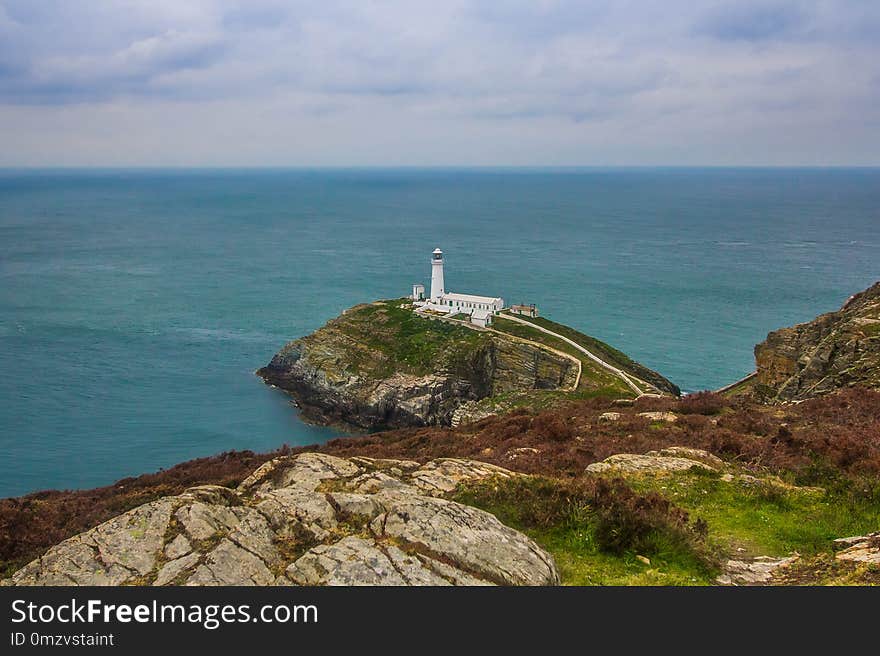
{"x":838,"y":434}
{"x":32,"y":523}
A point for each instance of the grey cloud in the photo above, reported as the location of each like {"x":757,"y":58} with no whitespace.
{"x":569,"y":73}
{"x":744,"y":21}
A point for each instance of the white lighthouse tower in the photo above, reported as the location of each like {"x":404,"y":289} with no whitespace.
{"x":437,"y":289}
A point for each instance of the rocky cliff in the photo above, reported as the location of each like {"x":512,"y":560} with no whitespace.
{"x":379,"y":365}
{"x":833,"y":351}
{"x":310,"y":519}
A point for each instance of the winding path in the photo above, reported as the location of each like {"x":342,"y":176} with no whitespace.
{"x":627,"y":378}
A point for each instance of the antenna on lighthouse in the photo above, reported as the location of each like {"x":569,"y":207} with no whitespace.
{"x":437,"y":289}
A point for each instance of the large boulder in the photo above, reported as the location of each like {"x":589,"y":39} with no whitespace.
{"x":670,"y":459}
{"x":310,"y":519}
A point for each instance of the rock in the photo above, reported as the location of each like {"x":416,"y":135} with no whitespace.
{"x":833,"y":351}
{"x":691,"y":454}
{"x":757,"y":571}
{"x":306,"y":471}
{"x":860,"y":549}
{"x":443,"y":475}
{"x":473,"y":411}
{"x":659,"y":416}
{"x":607,"y":417}
{"x":514,"y":454}
{"x":178,"y":547}
{"x":475,"y":540}
{"x":667,"y":460}
{"x":350,"y":369}
{"x":379,"y":365}
{"x":626,"y":403}
{"x":856,"y":539}
{"x":310,"y":519}
{"x":643,"y":559}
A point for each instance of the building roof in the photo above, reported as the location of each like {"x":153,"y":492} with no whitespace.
{"x":470,"y":298}
{"x":481,"y":314}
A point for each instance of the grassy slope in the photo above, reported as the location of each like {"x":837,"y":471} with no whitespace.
{"x":601,"y":349}
{"x":744,"y":520}
{"x":409,"y":343}
{"x":595,"y":380}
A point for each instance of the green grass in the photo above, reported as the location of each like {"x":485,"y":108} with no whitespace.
{"x":595,"y":380}
{"x":766,"y":518}
{"x":599,"y":348}
{"x":409,"y":342}
{"x":543,"y":509}
{"x":581,"y":562}
{"x":743,"y":519}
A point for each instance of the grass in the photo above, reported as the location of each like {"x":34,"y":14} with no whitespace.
{"x":766,"y":517}
{"x":595,"y":380}
{"x":571,"y":525}
{"x":742,"y":518}
{"x":602,"y":350}
{"x":409,"y":343}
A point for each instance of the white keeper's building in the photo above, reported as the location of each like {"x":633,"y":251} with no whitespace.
{"x":480,"y":309}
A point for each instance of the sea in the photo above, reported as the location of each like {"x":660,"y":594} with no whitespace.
{"x":135,"y":305}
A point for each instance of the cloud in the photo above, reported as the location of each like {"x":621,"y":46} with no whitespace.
{"x":753,"y":22}
{"x":555,"y":81}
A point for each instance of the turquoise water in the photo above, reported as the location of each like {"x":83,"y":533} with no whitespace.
{"x":135,"y":305}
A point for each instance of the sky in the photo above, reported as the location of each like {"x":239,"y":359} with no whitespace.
{"x":428,"y":83}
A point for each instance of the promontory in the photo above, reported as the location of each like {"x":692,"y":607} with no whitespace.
{"x":381,"y":365}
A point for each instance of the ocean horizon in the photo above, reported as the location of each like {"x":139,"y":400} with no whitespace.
{"x":136,"y":303}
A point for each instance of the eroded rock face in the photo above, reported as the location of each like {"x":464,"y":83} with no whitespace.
{"x":311,"y":519}
{"x":835,"y":350}
{"x":670,"y":459}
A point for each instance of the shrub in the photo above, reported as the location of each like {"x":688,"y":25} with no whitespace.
{"x":550,"y":426}
{"x":620,"y":519}
{"x":702,"y":403}
{"x":627,"y":521}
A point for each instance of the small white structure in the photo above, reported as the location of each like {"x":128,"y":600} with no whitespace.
{"x":480,"y":309}
{"x":525,"y":310}
{"x":437,"y":289}
{"x":482,"y":318}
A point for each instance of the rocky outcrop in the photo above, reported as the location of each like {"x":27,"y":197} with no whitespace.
{"x":668,"y":417}
{"x":671,"y":459}
{"x":311,"y":519}
{"x":835,"y":350}
{"x":754,"y":571}
{"x":379,"y":365}
{"x":860,"y":548}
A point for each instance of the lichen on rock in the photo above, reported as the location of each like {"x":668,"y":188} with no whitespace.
{"x":309,"y":519}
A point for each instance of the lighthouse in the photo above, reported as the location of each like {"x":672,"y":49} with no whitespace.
{"x":437,"y":289}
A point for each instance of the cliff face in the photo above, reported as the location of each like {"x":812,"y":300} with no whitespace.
{"x":835,"y":350}
{"x":378,"y":365}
